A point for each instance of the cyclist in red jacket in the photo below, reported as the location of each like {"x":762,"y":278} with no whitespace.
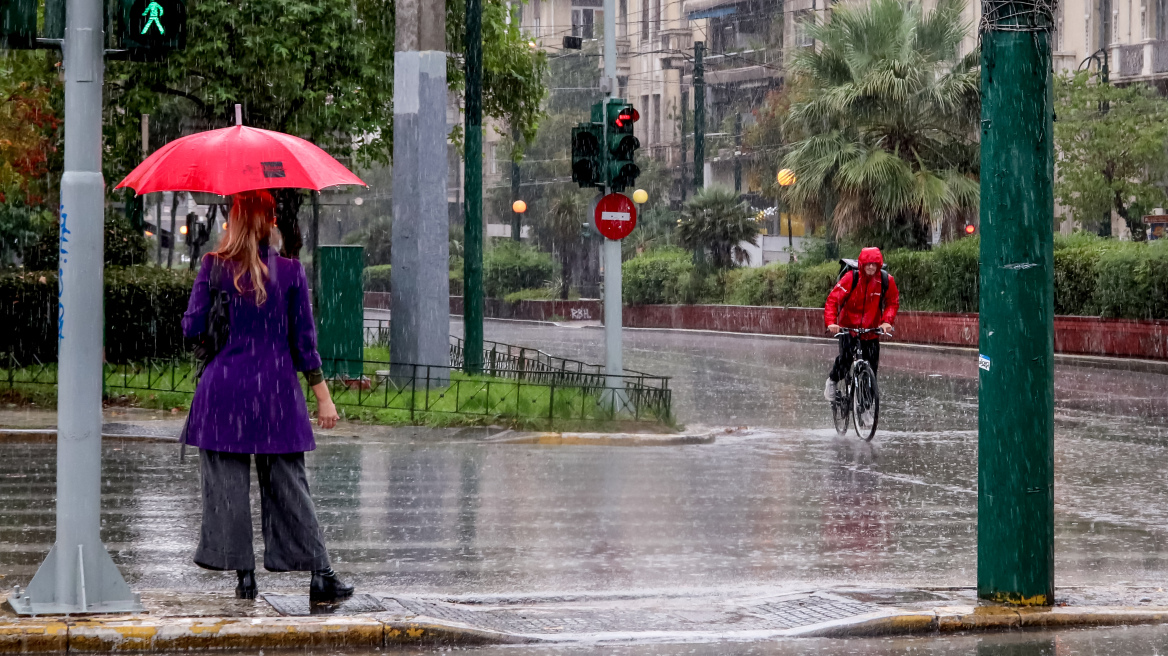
{"x":860,"y":300}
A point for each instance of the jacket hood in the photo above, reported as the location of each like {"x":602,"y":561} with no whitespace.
{"x":871,"y":255}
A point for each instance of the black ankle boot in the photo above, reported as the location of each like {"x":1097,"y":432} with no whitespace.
{"x":247,"y":587}
{"x":326,"y":588}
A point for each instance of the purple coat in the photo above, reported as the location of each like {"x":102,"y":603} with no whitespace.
{"x":249,"y":399}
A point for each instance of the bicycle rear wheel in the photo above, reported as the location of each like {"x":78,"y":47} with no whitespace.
{"x":865,"y":401}
{"x":841,"y":408}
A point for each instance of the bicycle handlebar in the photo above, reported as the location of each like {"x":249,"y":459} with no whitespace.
{"x":863,"y":331}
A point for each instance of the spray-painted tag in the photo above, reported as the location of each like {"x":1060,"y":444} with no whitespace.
{"x":983,"y":362}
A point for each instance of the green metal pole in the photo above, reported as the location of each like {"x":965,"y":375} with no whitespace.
{"x":699,"y":82}
{"x":829,"y":221}
{"x":684,"y":139}
{"x":472,"y":262}
{"x":1016,"y":400}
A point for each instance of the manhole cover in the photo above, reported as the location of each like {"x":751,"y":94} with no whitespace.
{"x":298,"y":606}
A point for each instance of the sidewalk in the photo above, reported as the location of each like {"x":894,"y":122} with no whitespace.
{"x":215,"y":621}
{"x":162,"y":426}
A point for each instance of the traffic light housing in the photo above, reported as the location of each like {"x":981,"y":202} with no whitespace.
{"x":586,"y":156}
{"x":152,"y":28}
{"x":18,"y":24}
{"x":621,"y":171}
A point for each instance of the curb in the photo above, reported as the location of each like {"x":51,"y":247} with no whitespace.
{"x":141,"y":633}
{"x":608,"y":439}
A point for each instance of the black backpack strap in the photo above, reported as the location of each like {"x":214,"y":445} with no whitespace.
{"x":883,"y":290}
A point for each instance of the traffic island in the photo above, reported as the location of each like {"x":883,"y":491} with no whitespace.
{"x":177,"y":621}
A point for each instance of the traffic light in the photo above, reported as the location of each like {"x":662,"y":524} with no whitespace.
{"x":621,"y":171}
{"x":153,"y":28}
{"x":586,"y":160}
{"x":18,"y":24}
{"x":970,"y":228}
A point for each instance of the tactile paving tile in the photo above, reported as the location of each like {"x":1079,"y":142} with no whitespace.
{"x":298,"y":605}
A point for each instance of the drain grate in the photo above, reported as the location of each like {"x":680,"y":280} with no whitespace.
{"x":298,"y":605}
{"x":806,"y":611}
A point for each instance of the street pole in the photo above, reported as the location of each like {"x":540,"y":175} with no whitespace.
{"x":699,"y":81}
{"x":78,"y":575}
{"x":613,"y":309}
{"x":684,"y":130}
{"x":472,"y":254}
{"x":516,"y":217}
{"x":1015,"y":519}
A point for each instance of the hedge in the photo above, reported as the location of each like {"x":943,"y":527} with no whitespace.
{"x":376,"y":278}
{"x":511,"y":266}
{"x":1092,"y":277}
{"x":143,"y":314}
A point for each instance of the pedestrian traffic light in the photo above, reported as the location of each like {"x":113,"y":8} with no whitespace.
{"x":18,"y":24}
{"x":153,"y":28}
{"x":586,"y":160}
{"x":621,"y":170}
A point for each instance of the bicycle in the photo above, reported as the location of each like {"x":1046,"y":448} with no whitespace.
{"x":857,"y":396}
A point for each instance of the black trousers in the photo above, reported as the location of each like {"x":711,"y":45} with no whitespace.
{"x":869,"y":348}
{"x":293,"y":541}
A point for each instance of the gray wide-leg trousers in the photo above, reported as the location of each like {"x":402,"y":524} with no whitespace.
{"x":293,"y":541}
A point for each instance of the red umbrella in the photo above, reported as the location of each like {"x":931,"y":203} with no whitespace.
{"x":230,"y":160}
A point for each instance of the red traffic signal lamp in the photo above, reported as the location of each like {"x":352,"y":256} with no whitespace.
{"x":970,"y":229}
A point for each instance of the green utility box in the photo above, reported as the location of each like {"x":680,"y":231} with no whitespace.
{"x":340,"y":310}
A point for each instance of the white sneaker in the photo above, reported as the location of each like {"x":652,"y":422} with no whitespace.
{"x":829,"y":390}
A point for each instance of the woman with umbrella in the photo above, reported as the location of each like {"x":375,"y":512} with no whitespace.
{"x":248,"y":402}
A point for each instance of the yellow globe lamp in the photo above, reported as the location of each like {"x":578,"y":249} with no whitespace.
{"x":640,"y":196}
{"x":786,"y":178}
{"x":519,"y":207}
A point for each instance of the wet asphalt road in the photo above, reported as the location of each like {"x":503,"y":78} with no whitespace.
{"x":785,"y":503}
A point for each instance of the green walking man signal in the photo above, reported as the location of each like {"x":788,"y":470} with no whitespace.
{"x":604,"y":149}
{"x":153,"y":12}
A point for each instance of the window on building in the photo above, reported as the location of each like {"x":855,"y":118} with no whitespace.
{"x":622,"y":19}
{"x":492,"y":162}
{"x":656,"y":17}
{"x":622,"y":86}
{"x":646,"y":117}
{"x":586,"y":14}
{"x":1057,"y":38}
{"x":645,"y":19}
{"x":656,"y":118}
{"x":802,"y":34}
{"x":535,"y":17}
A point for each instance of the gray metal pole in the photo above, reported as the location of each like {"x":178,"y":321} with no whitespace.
{"x":78,"y":576}
{"x":613,"y":315}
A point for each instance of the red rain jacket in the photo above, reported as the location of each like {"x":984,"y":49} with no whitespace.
{"x":862,"y":307}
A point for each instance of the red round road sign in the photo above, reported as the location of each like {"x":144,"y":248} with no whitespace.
{"x":615,"y":216}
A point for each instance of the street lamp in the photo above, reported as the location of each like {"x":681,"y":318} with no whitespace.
{"x":519,"y":207}
{"x":786,"y":178}
{"x":640,"y":196}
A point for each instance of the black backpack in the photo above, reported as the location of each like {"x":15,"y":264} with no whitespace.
{"x":853,"y":266}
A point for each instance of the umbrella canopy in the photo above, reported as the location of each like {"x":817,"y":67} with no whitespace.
{"x":230,"y":160}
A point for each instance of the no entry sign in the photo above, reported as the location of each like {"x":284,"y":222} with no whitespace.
{"x":615,"y":216}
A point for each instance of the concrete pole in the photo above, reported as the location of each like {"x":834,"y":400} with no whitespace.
{"x":1015,"y":536}
{"x":472,"y":261}
{"x":613,"y":308}
{"x":699,"y":81}
{"x":419,"y":332}
{"x":78,"y":575}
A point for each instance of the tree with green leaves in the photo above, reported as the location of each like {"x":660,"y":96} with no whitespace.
{"x":322,"y":70}
{"x":562,"y":230}
{"x":1111,"y":145}
{"x":718,"y":222}
{"x":884,"y":122}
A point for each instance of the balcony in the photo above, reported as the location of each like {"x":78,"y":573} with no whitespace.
{"x":1143,"y":61}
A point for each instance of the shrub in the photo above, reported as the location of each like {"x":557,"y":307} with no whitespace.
{"x":1076,"y":273}
{"x":814,"y":283}
{"x":124,"y":246}
{"x":657,"y":277}
{"x":1132,"y":281}
{"x":955,"y":275}
{"x":376,"y":278}
{"x":773,"y":284}
{"x":915,"y":273}
{"x":511,"y":266}
{"x":143,"y":314}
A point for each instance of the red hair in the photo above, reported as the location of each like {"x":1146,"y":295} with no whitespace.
{"x":252,"y":215}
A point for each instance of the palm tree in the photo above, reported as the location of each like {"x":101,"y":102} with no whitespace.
{"x":563,"y":230}
{"x":717,"y":221}
{"x":886,"y":118}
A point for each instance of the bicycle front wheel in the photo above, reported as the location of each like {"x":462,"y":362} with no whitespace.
{"x":865,"y":401}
